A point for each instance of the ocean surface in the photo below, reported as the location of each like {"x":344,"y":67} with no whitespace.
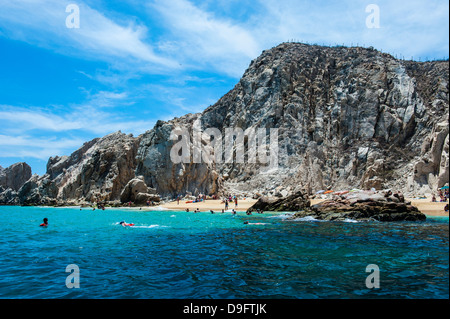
{"x":180,"y":255}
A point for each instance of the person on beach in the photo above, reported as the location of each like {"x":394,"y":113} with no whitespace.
{"x":235,"y":202}
{"x":187,"y":210}
{"x":212,"y":212}
{"x":45,"y":223}
{"x":233,"y":212}
{"x":223,"y":211}
{"x":226,"y":204}
{"x":446,"y":208}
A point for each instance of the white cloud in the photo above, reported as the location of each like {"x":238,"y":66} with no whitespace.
{"x":200,"y":39}
{"x":19,"y":119}
{"x":407,"y":29}
{"x":42,"y":22}
{"x":39,"y":148}
{"x":82,"y":118}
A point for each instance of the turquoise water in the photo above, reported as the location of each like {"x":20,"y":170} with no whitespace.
{"x":186,"y":255}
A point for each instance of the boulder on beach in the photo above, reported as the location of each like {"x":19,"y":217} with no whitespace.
{"x":294,"y":202}
{"x":138,"y":192}
{"x":364,"y":206}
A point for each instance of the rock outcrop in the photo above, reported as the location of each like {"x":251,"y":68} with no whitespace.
{"x":345,"y":117}
{"x":360,"y":206}
{"x":341,"y":118}
{"x":14,"y":176}
{"x":12,"y":179}
{"x":137,"y":192}
{"x":169,"y":177}
{"x":295,"y":202}
{"x":98,"y":171}
{"x":364,"y":206}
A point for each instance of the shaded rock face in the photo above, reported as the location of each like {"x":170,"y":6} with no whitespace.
{"x":12,"y":179}
{"x":98,"y":171}
{"x":154,"y":162}
{"x":294,"y":202}
{"x":137,"y":192}
{"x":14,"y":176}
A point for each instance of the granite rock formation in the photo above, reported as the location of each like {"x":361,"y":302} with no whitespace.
{"x":295,"y":202}
{"x":344,"y":117}
{"x":137,"y":192}
{"x":97,"y":171}
{"x":14,"y":176}
{"x":12,"y":179}
{"x":363,"y":206}
{"x":160,"y":171}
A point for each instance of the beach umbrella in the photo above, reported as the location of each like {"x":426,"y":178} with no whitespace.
{"x":444,"y":187}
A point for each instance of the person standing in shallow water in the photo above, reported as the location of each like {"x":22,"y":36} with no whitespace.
{"x":45,"y":223}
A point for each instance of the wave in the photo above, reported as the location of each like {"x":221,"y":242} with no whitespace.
{"x":157,"y":208}
{"x":143,"y":226}
{"x":306,"y":219}
{"x":281,"y":216}
{"x":349,"y":220}
{"x":150,"y":226}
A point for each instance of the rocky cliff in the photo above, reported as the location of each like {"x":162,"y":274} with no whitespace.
{"x":97,"y":171}
{"x":345,"y":117}
{"x":341,"y":118}
{"x":12,"y":179}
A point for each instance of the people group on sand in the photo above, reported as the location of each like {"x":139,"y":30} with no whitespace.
{"x":443,"y":195}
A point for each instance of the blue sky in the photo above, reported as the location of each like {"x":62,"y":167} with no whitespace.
{"x":133,"y":62}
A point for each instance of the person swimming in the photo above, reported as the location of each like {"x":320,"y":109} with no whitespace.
{"x":247,"y":223}
{"x":45,"y":223}
{"x":125,"y":224}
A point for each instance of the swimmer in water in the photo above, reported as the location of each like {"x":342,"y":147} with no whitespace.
{"x":247,"y":223}
{"x":125,"y":224}
{"x":45,"y":223}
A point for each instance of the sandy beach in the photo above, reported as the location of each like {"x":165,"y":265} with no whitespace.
{"x":210,"y":204}
{"x":428,"y":207}
{"x":424,"y":205}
